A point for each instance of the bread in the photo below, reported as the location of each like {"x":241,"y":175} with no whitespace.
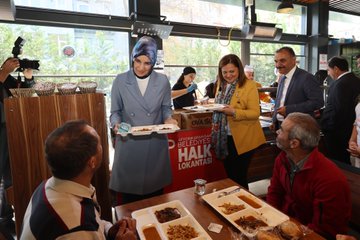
{"x":264,"y":235}
{"x":290,"y":230}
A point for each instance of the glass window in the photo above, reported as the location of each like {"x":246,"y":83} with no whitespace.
{"x":343,"y":25}
{"x":262,"y":59}
{"x":204,"y":12}
{"x":96,"y":52}
{"x":294,"y":22}
{"x":202,"y":54}
{"x":106,"y":7}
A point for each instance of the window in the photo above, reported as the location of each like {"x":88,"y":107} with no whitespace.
{"x":106,"y":7}
{"x":97,"y":52}
{"x":262,"y":59}
{"x":343,"y":25}
{"x":294,"y":23}
{"x":202,"y":54}
{"x":204,"y":12}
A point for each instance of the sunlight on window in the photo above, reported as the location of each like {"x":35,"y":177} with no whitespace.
{"x":343,"y":25}
{"x":202,"y":54}
{"x":204,"y":12}
{"x":109,"y":7}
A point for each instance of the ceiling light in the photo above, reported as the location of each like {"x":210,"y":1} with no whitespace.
{"x":261,"y":30}
{"x":285,"y":6}
{"x":145,"y":28}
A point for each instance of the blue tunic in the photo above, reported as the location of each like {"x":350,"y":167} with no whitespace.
{"x":141,"y":163}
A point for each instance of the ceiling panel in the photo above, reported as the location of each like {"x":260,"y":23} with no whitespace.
{"x":347,"y":6}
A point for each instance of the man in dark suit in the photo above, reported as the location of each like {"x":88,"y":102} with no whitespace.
{"x":339,"y":114}
{"x":298,"y":90}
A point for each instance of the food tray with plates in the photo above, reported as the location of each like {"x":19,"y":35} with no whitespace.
{"x":168,"y":221}
{"x":245,"y":211}
{"x":205,"y":107}
{"x":148,"y":129}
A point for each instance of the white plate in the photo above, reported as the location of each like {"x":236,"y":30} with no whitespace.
{"x":254,"y":207}
{"x":146,"y":218}
{"x":205,"y":107}
{"x":148,"y":129}
{"x":166,"y":128}
{"x":142,"y":130}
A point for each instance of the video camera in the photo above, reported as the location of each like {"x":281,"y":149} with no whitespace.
{"x":24,"y":63}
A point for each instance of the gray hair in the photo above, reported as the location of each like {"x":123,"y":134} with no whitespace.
{"x":305,"y":129}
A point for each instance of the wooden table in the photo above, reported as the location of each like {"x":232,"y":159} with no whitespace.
{"x":202,"y":212}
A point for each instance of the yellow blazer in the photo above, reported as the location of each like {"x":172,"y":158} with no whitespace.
{"x":245,"y":125}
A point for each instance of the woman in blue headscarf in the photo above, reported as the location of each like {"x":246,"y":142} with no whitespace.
{"x":139,"y":97}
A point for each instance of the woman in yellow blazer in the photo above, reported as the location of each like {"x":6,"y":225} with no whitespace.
{"x":236,"y":130}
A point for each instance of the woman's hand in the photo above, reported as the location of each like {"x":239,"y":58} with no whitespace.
{"x":170,"y":120}
{"x":228,"y":110}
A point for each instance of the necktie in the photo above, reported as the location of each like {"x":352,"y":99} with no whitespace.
{"x":280,"y":91}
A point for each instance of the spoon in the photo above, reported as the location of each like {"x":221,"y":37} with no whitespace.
{"x":222,"y":194}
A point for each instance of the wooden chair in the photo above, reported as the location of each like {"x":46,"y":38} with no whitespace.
{"x":29,"y":121}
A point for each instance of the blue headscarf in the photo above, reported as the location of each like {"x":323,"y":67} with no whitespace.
{"x":145,"y":46}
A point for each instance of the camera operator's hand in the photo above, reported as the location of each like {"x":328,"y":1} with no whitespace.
{"x":28,"y":73}
{"x":10,"y":65}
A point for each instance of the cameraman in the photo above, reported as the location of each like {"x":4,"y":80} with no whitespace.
{"x":7,"y":82}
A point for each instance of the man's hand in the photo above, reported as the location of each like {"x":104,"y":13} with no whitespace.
{"x":10,"y":65}
{"x":124,"y":229}
{"x":282,"y":111}
{"x":127,"y":229}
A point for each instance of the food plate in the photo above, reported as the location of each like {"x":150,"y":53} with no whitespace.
{"x":247,"y":207}
{"x":148,"y":129}
{"x":166,"y":128}
{"x":206,"y":107}
{"x":163,"y":219}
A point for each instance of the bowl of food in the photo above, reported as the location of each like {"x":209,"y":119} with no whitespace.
{"x":87,"y":86}
{"x":22,"y":92}
{"x":44,"y":88}
{"x":67,"y":88}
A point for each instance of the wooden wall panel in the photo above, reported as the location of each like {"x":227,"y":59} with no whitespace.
{"x":29,"y":121}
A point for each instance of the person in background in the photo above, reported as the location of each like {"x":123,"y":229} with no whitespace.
{"x":305,"y":184}
{"x":236,"y":130}
{"x":6,"y":83}
{"x":338,"y":116}
{"x":65,"y":206}
{"x":298,"y":90}
{"x":249,"y":72}
{"x":358,"y":61}
{"x":139,"y":97}
{"x":354,"y":141}
{"x":212,"y":88}
{"x":183,"y":92}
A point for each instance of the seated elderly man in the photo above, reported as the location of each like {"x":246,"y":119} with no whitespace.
{"x":305,"y":184}
{"x":64,"y":206}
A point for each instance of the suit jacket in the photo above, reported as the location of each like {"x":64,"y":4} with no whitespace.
{"x":339,"y":113}
{"x":141,"y":163}
{"x":303,"y":95}
{"x":245,"y":127}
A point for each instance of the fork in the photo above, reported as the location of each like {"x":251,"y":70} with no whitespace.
{"x":222,"y":194}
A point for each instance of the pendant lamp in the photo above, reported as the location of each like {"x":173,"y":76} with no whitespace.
{"x":285,"y":6}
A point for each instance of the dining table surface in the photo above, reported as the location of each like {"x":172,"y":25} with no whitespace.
{"x":198,"y":207}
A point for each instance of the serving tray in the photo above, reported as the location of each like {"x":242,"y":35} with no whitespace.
{"x":146,"y":218}
{"x":205,"y":107}
{"x":252,"y":207}
{"x":148,"y":129}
